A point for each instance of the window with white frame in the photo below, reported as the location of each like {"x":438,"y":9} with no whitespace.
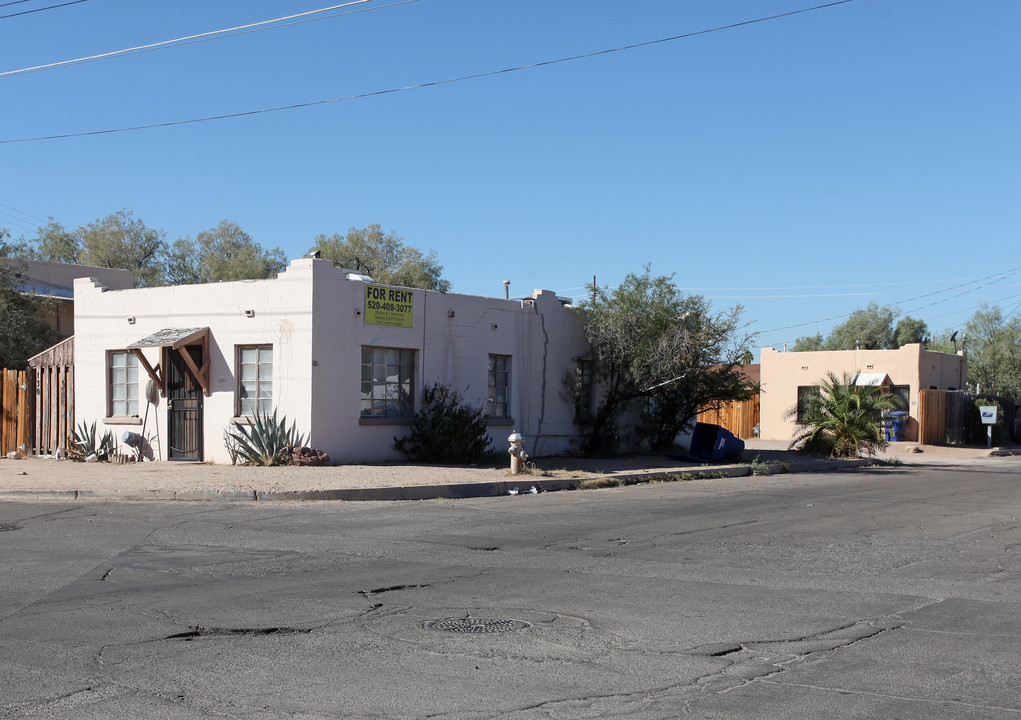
{"x":498,"y":405}
{"x":254,"y":391}
{"x":388,"y":382}
{"x":123,"y":389}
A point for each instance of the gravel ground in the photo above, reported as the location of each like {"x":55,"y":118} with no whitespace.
{"x":43,"y":474}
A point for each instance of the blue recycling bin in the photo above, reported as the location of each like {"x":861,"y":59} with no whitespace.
{"x":712,"y":442}
{"x":898,"y":424}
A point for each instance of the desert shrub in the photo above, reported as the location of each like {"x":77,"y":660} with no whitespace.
{"x":85,"y":443}
{"x":447,"y":430}
{"x":267,"y":441}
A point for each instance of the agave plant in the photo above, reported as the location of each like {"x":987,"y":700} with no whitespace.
{"x":267,"y":441}
{"x":83,"y":443}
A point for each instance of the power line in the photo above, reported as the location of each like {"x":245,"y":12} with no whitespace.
{"x":273,"y":27}
{"x":181,"y":40}
{"x":49,"y":7}
{"x":829,"y":287}
{"x":14,"y":221}
{"x":22,"y":212}
{"x":1003,"y":275}
{"x":434,"y":83}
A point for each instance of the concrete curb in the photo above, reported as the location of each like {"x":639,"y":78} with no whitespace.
{"x":457,"y":491}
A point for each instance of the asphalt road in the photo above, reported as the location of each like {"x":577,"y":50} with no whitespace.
{"x":885,"y":593}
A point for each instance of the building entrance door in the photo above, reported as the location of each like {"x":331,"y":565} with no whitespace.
{"x":184,"y":406}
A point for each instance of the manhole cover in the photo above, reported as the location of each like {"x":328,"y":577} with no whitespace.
{"x":4,"y":527}
{"x":477,"y":625}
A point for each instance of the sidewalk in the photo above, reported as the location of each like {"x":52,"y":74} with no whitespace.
{"x":48,"y":479}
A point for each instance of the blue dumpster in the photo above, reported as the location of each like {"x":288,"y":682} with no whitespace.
{"x":712,"y":442}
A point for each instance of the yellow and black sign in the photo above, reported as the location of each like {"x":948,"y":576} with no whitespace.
{"x":391,"y":307}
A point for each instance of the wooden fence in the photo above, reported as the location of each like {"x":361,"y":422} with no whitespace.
{"x":15,"y":399}
{"x":53,"y":420}
{"x":944,"y":418}
{"x":738,"y":416}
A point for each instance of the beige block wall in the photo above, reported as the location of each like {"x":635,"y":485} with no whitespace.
{"x":911,"y":365}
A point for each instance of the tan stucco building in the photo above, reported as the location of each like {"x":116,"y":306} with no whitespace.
{"x":786,"y":375}
{"x":343,"y":357}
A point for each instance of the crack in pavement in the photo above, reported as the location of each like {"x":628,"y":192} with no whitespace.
{"x":392,"y":588}
{"x":745,"y":663}
{"x":893,"y":696}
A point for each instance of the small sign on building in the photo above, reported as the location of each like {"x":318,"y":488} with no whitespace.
{"x":389,"y":306}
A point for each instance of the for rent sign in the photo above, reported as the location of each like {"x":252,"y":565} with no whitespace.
{"x":391,"y":307}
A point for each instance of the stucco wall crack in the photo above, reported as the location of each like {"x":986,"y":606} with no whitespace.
{"x":542,"y":395}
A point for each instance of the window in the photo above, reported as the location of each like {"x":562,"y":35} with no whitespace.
{"x":388,"y":388}
{"x":254,"y":380}
{"x":583,"y":390}
{"x":904,"y":393}
{"x":498,"y":405}
{"x":806,"y":394}
{"x":123,"y":383}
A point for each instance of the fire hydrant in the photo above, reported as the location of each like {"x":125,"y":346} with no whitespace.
{"x":517,"y":451}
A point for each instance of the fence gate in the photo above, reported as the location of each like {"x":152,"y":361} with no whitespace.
{"x":53,"y":387}
{"x":932,"y":417}
{"x":16,"y":426}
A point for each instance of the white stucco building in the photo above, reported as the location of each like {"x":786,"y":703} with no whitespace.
{"x":343,"y":357}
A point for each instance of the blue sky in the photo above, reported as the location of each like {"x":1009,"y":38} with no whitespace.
{"x":802,"y":167}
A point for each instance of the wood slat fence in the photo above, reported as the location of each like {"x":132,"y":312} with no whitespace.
{"x":39,"y":402}
{"x":738,"y":416}
{"x":944,"y":417}
{"x":54,"y":417}
{"x":15,"y":399}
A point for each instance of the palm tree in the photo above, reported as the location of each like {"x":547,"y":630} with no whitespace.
{"x":843,"y":419}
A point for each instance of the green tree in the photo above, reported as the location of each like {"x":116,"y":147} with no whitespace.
{"x":809,"y":343}
{"x":23,"y":330}
{"x":869,"y":328}
{"x":384,"y":256}
{"x":843,"y":419}
{"x":223,"y":253}
{"x":116,"y":241}
{"x":652,"y":344}
{"x":909,"y":330}
{"x":123,"y":241}
{"x":54,"y":243}
{"x":994,"y":352}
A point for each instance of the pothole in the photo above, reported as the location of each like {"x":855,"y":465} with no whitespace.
{"x":391,"y":588}
{"x":202,"y":632}
{"x":473,"y":625}
{"x":4,"y":527}
{"x":717,"y":649}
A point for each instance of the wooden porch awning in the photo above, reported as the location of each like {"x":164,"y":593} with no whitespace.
{"x":875,"y":379}
{"x":175,"y":339}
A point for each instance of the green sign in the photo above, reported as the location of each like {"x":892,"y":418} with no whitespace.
{"x":390,"y":307}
